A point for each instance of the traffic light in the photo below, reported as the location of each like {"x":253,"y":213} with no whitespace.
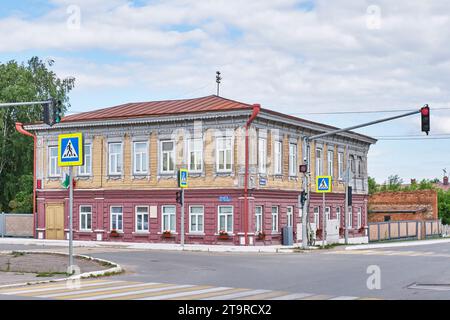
{"x":57,"y":111}
{"x":349,"y":195}
{"x":179,"y":197}
{"x":425,"y":113}
{"x":303,"y":196}
{"x":47,"y":114}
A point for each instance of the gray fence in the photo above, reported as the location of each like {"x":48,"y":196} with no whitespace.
{"x":16,"y":225}
{"x":411,"y":229}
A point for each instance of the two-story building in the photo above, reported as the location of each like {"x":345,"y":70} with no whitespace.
{"x":132,"y":153}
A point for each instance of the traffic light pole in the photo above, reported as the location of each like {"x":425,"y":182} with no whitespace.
{"x":307,"y":147}
{"x":19,"y":104}
{"x":182,"y":218}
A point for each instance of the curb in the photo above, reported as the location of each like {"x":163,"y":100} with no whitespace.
{"x":116,"y":269}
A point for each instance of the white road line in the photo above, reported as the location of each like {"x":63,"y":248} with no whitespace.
{"x":237,"y":295}
{"x":115,"y":295}
{"x":76,"y":292}
{"x":186,"y":293}
{"x":293,"y":296}
{"x":344,"y":298}
{"x":58,"y":287}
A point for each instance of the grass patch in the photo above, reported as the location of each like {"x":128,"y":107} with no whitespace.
{"x":16,"y":254}
{"x":50,"y":274}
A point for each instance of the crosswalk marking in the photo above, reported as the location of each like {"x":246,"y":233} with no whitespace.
{"x":129,"y":290}
{"x":390,"y":253}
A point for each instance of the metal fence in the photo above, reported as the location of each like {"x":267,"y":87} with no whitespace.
{"x":16,"y":225}
{"x":408,"y":229}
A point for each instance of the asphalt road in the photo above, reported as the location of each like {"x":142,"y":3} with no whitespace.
{"x":323,"y":272}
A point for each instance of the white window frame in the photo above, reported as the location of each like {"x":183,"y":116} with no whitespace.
{"x":275,"y":218}
{"x":198,"y":155}
{"x":317,"y":216}
{"x":340,"y":165}
{"x":115,"y":215}
{"x":225,"y":151}
{"x":262,"y":155}
{"x":219,"y":214}
{"x":328,"y":213}
{"x":350,"y":218}
{"x":293,"y":159}
{"x":195,"y":217}
{"x":119,"y":159}
{"x":171,"y":154}
{"x":290,"y":216}
{"x":53,"y":169}
{"x":170,"y":217}
{"x":338,"y":214}
{"x":143,"y":214}
{"x":319,"y":162}
{"x":86,"y":169}
{"x":143,"y":170}
{"x":278,"y":157}
{"x":359,"y":222}
{"x":259,"y":218}
{"x":83,"y":218}
{"x":330,"y":159}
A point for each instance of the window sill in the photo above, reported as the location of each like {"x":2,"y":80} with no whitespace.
{"x":172,"y":233}
{"x":140,"y":233}
{"x":229,"y":234}
{"x":85,"y":231}
{"x":118,"y":231}
{"x":84,"y":177}
{"x":54,"y":178}
{"x":114,"y":177}
{"x":195,"y":234}
{"x":276,"y":233}
{"x":137,"y":176}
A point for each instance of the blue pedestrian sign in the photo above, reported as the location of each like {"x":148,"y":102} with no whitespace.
{"x":183,"y":178}
{"x":323,"y":184}
{"x":70,"y":150}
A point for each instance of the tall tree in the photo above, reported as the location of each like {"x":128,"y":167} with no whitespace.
{"x":31,"y":81}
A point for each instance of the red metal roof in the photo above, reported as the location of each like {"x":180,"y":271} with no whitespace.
{"x":160,"y":108}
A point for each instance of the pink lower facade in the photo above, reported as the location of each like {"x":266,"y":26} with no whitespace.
{"x":268,"y":201}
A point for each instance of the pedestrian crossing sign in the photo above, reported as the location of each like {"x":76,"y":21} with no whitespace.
{"x":70,"y":149}
{"x":323,"y":184}
{"x":183,"y":178}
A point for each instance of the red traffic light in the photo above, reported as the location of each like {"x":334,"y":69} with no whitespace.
{"x":425,"y":111}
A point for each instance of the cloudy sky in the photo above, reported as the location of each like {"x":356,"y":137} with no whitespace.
{"x":300,"y":57}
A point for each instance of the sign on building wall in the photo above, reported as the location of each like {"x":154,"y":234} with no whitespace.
{"x":323,"y":184}
{"x":70,"y":149}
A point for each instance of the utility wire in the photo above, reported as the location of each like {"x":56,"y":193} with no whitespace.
{"x":363,"y":111}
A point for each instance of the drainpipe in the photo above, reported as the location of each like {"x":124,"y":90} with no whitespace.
{"x":256,"y":110}
{"x":20,"y":129}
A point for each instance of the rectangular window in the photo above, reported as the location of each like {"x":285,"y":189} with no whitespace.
{"x":319,"y":162}
{"x":258,"y":218}
{"x":316,"y":216}
{"x":275,"y":219}
{"x":290,"y":216}
{"x":168,"y":218}
{"x":224,"y":154}
{"x":115,"y":158}
{"x":341,"y":165}
{"x":350,"y":217}
{"x":54,"y":170}
{"x":116,"y":218}
{"x":195,"y":155}
{"x":277,"y":157}
{"x":292,"y":159}
{"x":359,"y":217}
{"x":142,"y":219}
{"x":262,"y":155}
{"x":85,"y":218}
{"x":330,"y":162}
{"x":86,"y":169}
{"x":328,"y":213}
{"x":226,"y":218}
{"x":338,"y":214}
{"x":140,"y":157}
{"x":196,"y":218}
{"x":167,"y":153}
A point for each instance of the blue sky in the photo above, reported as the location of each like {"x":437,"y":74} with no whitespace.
{"x":294,"y":56}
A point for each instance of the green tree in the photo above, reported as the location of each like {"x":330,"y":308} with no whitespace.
{"x":373,"y":187}
{"x":31,"y":81}
{"x":394,"y":183}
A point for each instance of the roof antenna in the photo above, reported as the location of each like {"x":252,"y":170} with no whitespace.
{"x":218,"y":79}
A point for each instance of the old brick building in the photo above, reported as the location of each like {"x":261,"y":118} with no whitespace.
{"x":133,"y":151}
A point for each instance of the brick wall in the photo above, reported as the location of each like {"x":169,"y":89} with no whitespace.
{"x":408,"y":200}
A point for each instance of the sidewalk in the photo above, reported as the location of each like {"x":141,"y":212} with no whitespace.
{"x":398,"y":244}
{"x":152,"y":246}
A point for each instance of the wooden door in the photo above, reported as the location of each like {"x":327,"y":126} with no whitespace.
{"x":54,"y":221}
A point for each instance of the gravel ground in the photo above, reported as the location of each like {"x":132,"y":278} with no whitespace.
{"x":36,"y":263}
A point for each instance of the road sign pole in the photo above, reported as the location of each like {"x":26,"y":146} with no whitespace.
{"x":71,"y":219}
{"x":182,"y":217}
{"x":324,"y":222}
{"x":306,"y":150}
{"x":347,"y":178}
